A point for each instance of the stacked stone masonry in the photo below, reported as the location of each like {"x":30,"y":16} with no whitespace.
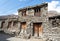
{"x":32,"y":22}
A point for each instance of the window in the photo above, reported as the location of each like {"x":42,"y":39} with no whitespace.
{"x":15,"y":23}
{"x":55,"y":23}
{"x":37,"y":11}
{"x":24,"y":13}
{"x":30,"y":12}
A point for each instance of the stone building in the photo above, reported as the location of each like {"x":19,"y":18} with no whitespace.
{"x":9,"y":23}
{"x":54,"y":31}
{"x":32,"y":22}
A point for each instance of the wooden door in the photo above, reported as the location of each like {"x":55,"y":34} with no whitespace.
{"x":37,"y":29}
{"x":23,"y":25}
{"x":40,"y":30}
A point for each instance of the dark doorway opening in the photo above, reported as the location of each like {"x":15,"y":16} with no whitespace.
{"x":23,"y":25}
{"x":2,"y":24}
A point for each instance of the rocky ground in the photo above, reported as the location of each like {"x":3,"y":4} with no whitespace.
{"x":5,"y":37}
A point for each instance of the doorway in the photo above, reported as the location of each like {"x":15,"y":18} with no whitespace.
{"x":23,"y":25}
{"x":37,"y":29}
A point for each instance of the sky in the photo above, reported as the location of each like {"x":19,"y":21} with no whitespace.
{"x":10,"y":7}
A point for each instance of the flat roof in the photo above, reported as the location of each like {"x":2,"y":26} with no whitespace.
{"x":57,"y":16}
{"x":40,"y":5}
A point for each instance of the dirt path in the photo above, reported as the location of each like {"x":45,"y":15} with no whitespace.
{"x":4,"y":37}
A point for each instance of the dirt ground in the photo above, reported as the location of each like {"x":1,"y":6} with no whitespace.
{"x":5,"y":37}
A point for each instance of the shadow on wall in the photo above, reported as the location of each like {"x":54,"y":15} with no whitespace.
{"x":3,"y":36}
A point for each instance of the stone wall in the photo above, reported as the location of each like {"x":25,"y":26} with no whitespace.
{"x":55,"y":30}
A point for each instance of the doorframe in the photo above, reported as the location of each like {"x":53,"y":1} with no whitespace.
{"x":33,"y":26}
